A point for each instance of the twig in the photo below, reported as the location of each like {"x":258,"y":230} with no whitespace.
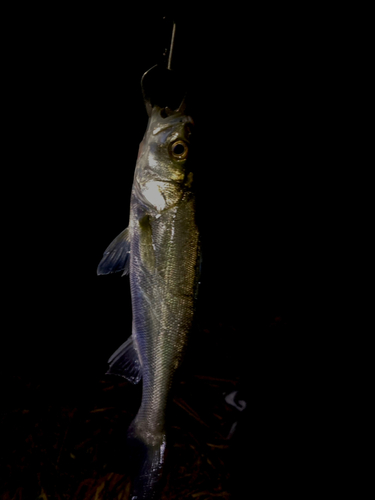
{"x":215,"y":379}
{"x":182,"y":404}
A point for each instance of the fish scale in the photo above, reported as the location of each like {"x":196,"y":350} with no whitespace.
{"x":161,"y":253}
{"x":174,"y":309}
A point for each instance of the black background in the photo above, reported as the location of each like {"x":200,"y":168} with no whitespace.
{"x":74,"y":119}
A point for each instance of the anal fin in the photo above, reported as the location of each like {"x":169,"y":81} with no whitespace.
{"x":125,"y":362}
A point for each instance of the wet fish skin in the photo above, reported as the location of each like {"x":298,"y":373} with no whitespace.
{"x":160,"y":250}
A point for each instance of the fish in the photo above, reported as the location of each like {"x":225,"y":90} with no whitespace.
{"x":160,"y":251}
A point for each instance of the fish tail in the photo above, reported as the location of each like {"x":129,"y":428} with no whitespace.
{"x":147,"y":460}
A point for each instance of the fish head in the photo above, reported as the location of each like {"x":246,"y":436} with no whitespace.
{"x":162,"y":173}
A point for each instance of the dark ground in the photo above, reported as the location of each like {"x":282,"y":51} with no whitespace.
{"x":61,"y":440}
{"x":75,"y":120}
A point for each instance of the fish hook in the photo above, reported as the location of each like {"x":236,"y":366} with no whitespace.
{"x":162,"y":86}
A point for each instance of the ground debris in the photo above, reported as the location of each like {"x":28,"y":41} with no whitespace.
{"x":65,"y":451}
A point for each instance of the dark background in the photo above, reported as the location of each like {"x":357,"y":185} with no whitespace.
{"x":75,"y":116}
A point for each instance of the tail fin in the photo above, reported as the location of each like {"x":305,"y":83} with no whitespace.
{"x":146,"y":465}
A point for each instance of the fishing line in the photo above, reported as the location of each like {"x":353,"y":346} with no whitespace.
{"x":171,"y":46}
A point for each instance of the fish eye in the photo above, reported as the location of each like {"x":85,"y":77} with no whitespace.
{"x":179,"y":150}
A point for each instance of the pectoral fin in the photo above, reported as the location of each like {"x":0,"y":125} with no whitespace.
{"x":125,"y":362}
{"x":116,"y":256}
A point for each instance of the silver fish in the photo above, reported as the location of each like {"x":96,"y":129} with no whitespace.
{"x":160,"y":251}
